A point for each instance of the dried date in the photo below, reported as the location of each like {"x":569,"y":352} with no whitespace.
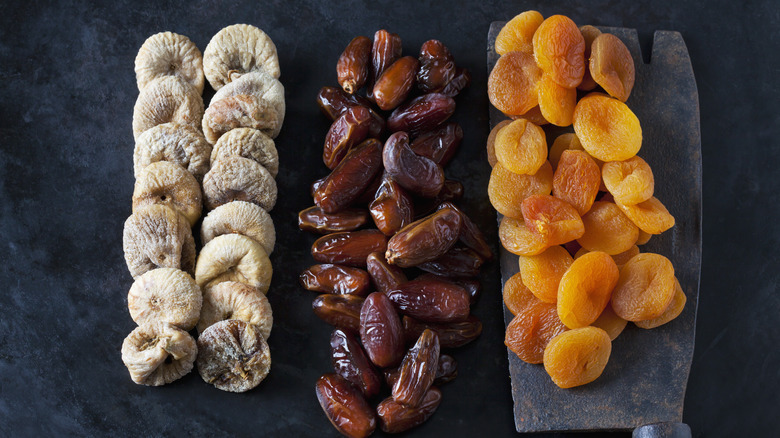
{"x":395,"y":83}
{"x":437,"y":67}
{"x":471,"y":285}
{"x":461,"y":80}
{"x":342,"y":311}
{"x":447,"y":370}
{"x":392,"y":208}
{"x":336,"y":279}
{"x":422,"y":113}
{"x":439,"y":145}
{"x":420,"y":175}
{"x":425,"y":239}
{"x":418,"y":370}
{"x":348,"y":248}
{"x":451,"y":334}
{"x":381,"y":331}
{"x":351,"y":363}
{"x":334,"y":102}
{"x":385,"y":51}
{"x":457,"y":262}
{"x":431,"y":300}
{"x":470,"y":235}
{"x":348,"y":130}
{"x":451,"y":191}
{"x":315,"y":220}
{"x":353,"y":65}
{"x":345,"y":406}
{"x":350,"y":178}
{"x":395,"y":417}
{"x":384,"y":275}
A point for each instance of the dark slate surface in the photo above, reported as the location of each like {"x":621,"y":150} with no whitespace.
{"x":66,"y":179}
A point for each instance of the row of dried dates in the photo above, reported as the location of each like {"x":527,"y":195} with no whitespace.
{"x":386,"y":150}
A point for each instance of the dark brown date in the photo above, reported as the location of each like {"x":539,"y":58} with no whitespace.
{"x":348,"y":248}
{"x":422,"y":113}
{"x":345,"y":406}
{"x":385,"y":276}
{"x":353,"y":65}
{"x":451,"y":334}
{"x":439,"y":145}
{"x":392,"y":208}
{"x":470,"y":235}
{"x":447,"y":370}
{"x":381,"y":331}
{"x":350,"y":178}
{"x":334,"y":102}
{"x":370,"y":192}
{"x":336,"y":279}
{"x":350,"y":362}
{"x":451,"y":191}
{"x":316,"y":185}
{"x":437,"y":67}
{"x":431,"y":300}
{"x":418,"y":370}
{"x":461,"y":80}
{"x":317,"y":221}
{"x":424,"y":240}
{"x":347,"y":131}
{"x":342,"y":311}
{"x":385,"y":51}
{"x":419,"y":175}
{"x":395,"y":417}
{"x":457,"y":262}
{"x":471,"y":285}
{"x":395,"y":83}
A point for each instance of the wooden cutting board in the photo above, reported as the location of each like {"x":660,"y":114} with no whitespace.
{"x":644,"y":381}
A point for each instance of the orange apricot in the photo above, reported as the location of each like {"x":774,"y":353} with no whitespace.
{"x":512,"y":83}
{"x":650,"y":216}
{"x":518,"y":33}
{"x":507,"y":190}
{"x":516,"y":238}
{"x":542,"y":273}
{"x":559,"y":49}
{"x":576,"y":180}
{"x":643,"y":237}
{"x":607,"y":128}
{"x":577,"y":357}
{"x":585,"y":288}
{"x":516,"y":295}
{"x":612,"y":66}
{"x":645,"y":287}
{"x":533,"y":115}
{"x":562,"y":143}
{"x":555,"y":220}
{"x":531,"y":329}
{"x":610,"y":322}
{"x":589,"y":33}
{"x":556,"y":103}
{"x":630,"y":182}
{"x":674,"y":309}
{"x":607,"y":229}
{"x":521,"y":147}
{"x":491,"y":142}
{"x":623,"y":257}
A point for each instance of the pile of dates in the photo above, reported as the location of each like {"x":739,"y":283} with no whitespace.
{"x":398,"y":258}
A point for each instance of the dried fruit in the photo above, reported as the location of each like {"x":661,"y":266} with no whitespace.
{"x":650,"y":216}
{"x":559,"y":49}
{"x":563,"y":142}
{"x":643,"y":237}
{"x":395,"y":417}
{"x":610,"y":322}
{"x":512,"y":84}
{"x":451,"y":191}
{"x":180,"y":144}
{"x":248,"y":143}
{"x":381,"y":331}
{"x":240,"y":217}
{"x":236,"y":50}
{"x":589,"y":33}
{"x":394,"y":84}
{"x":531,"y":329}
{"x":674,"y":309}
{"x":612,"y":66}
{"x":158,"y":353}
{"x":155,"y":236}
{"x":348,"y":248}
{"x":491,"y":142}
{"x":607,"y":128}
{"x":447,"y":370}
{"x":345,"y":406}
{"x":240,"y":111}
{"x":349,"y":130}
{"x":420,"y":175}
{"x":461,"y":80}
{"x":518,"y":239}
{"x":554,"y":220}
{"x":585,"y":289}
{"x":385,"y":276}
{"x":645,"y":288}
{"x":233,"y":356}
{"x":384,"y":52}
{"x":424,"y":240}
{"x":451,"y":334}
{"x":350,"y":177}
{"x":542,"y":273}
{"x":342,"y":311}
{"x":351,"y":363}
{"x":169,"y":54}
{"x":521,"y":147}
{"x":422,"y":113}
{"x":171,"y":185}
{"x":392,"y":208}
{"x":470,"y":235}
{"x":418,"y":370}
{"x":623,"y":257}
{"x":336,"y":279}
{"x":458,"y":262}
{"x":437,"y":67}
{"x":167,"y":99}
{"x":234,"y":300}
{"x":334,"y":102}
{"x":516,"y":294}
{"x":507,"y":190}
{"x":607,"y":229}
{"x":556,"y":102}
{"x":431,"y":300}
{"x":518,"y":33}
{"x":317,"y":221}
{"x":239,"y":179}
{"x":353,"y":65}
{"x":472,"y":286}
{"x":440,"y":144}
{"x":233,"y":257}
{"x":576,"y":180}
{"x":165,"y":295}
{"x":576,"y":357}
{"x":262,"y":86}
{"x":630,"y":182}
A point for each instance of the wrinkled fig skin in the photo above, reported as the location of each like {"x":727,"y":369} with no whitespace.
{"x":418,"y":370}
{"x":317,"y":221}
{"x":350,"y":178}
{"x":385,"y":51}
{"x":458,"y":262}
{"x":384,"y":275}
{"x":418,"y":174}
{"x":470,"y":235}
{"x":452,"y":191}
{"x":240,"y":111}
{"x":158,"y":353}
{"x":345,"y":406}
{"x":471,"y":285}
{"x":381,"y":331}
{"x":440,"y":144}
{"x":395,"y":417}
{"x":395,"y":83}
{"x":342,"y":311}
{"x":353,"y":65}
{"x":348,"y":130}
{"x":334,"y":102}
{"x":233,"y":356}
{"x":461,"y":80}
{"x":437,"y":67}
{"x":431,"y":300}
{"x":234,"y":300}
{"x":348,"y":248}
{"x":424,"y":240}
{"x":421,"y":113}
{"x":336,"y":279}
{"x":451,"y":334}
{"x":392,"y":208}
{"x":447,"y":370}
{"x":351,"y":363}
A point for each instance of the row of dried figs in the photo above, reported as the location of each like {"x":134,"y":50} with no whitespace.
{"x":386,"y":150}
{"x":571,"y":301}
{"x":224,"y":158}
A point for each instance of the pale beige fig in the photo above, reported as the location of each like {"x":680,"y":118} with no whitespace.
{"x":261,"y":85}
{"x":156,"y":236}
{"x":248,"y":143}
{"x":233,"y":257}
{"x":234,"y":300}
{"x":167,"y":99}
{"x":169,"y":54}
{"x":239,"y":179}
{"x":177,"y":143}
{"x":237,"y":50}
{"x":240,"y":111}
{"x":165,"y":295}
{"x":169,"y":184}
{"x":158,"y":353}
{"x":233,"y":356}
{"x":243,"y":218}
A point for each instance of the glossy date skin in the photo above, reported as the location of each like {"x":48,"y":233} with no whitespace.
{"x":384,"y":275}
{"x":350,"y":178}
{"x":437,"y":67}
{"x":418,"y":370}
{"x":384,"y":52}
{"x":446,"y":372}
{"x":422,"y":113}
{"x":424,"y":240}
{"x":451,"y":191}
{"x":392,"y":208}
{"x":334,"y":102}
{"x":348,"y":248}
{"x":440,"y":144}
{"x":345,"y":406}
{"x":419,"y":175}
{"x":336,"y":279}
{"x":353,"y":64}
{"x":395,"y":417}
{"x":470,"y":235}
{"x":317,"y":221}
{"x":471,"y":285}
{"x":461,"y":80}
{"x":342,"y":311}
{"x":431,"y":300}
{"x":451,"y":335}
{"x":349,"y":130}
{"x":395,"y":83}
{"x":380,"y":331}
{"x":351,"y":363}
{"x":458,"y":262}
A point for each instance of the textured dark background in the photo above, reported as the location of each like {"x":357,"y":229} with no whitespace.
{"x":66,"y":100}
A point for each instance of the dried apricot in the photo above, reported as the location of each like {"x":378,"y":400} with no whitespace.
{"x":518,"y":239}
{"x":530,"y":331}
{"x":650,"y":216}
{"x":607,"y":128}
{"x":585,"y":289}
{"x":576,"y":180}
{"x":610,"y":322}
{"x":607,"y":229}
{"x":612,"y":66}
{"x":521,"y":147}
{"x":507,"y":190}
{"x":674,"y":309}
{"x":556,"y":102}
{"x":577,"y":357}
{"x":533,"y":115}
{"x":589,"y":33}
{"x":645,"y":288}
{"x":516,"y":295}
{"x":517,"y":35}
{"x":630,"y":182}
{"x":491,"y":142}
{"x":562,"y":143}
{"x":559,"y":49}
{"x":512,"y":83}
{"x":542,"y":273}
{"x":555,"y":220}
{"x":623,"y":257}
{"x":643,"y":237}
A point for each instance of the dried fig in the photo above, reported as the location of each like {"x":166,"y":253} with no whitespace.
{"x":177,"y":143}
{"x":239,"y":179}
{"x":167,"y":99}
{"x":237,"y":50}
{"x":169,"y":54}
{"x":165,"y":295}
{"x":234,"y":300}
{"x":233,"y":257}
{"x":260,"y":85}
{"x":233,"y":356}
{"x":243,"y":218}
{"x":240,"y":111}
{"x":248,"y":143}
{"x":158,"y":353}
{"x":168,"y":184}
{"x":155,"y":236}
